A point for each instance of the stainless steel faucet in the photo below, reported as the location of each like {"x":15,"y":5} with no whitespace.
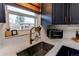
{"x":37,"y":29}
{"x":31,"y":35}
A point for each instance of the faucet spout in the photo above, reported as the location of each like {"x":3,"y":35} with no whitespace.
{"x":31,"y":35}
{"x":37,"y":29}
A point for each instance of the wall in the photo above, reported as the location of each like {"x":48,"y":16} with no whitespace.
{"x":27,"y":31}
{"x":18,"y":42}
{"x":20,"y":32}
{"x":69,"y":31}
{"x":38,"y":19}
{"x":21,"y":42}
{"x":1,"y":33}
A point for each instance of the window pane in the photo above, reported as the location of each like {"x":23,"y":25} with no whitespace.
{"x":20,"y":22}
{"x":12,"y":22}
{"x":12,"y":8}
{"x":30,"y":21}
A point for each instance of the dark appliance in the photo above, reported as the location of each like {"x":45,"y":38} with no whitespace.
{"x":67,"y":51}
{"x":54,"y":33}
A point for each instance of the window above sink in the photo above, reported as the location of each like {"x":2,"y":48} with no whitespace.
{"x":20,"y":19}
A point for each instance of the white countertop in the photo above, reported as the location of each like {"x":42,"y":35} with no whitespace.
{"x":13,"y":48}
{"x":58,"y":43}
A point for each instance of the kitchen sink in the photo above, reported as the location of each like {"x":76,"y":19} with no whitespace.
{"x":39,"y":49}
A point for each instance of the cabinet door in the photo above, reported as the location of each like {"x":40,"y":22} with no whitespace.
{"x":58,"y":13}
{"x":2,"y":13}
{"x":73,"y":52}
{"x":67,"y":13}
{"x":46,"y":9}
{"x":74,"y":13}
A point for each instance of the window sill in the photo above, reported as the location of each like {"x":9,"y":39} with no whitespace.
{"x":16,"y":36}
{"x":20,"y":33}
{"x":24,"y":30}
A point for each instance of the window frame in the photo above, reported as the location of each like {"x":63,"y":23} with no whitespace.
{"x":19,"y":14}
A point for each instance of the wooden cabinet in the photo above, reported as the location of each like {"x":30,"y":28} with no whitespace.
{"x":46,"y":12}
{"x":53,"y":13}
{"x":74,"y":13}
{"x":68,"y":13}
{"x":60,"y":13}
{"x":2,"y":13}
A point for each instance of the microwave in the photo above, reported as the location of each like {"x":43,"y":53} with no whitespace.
{"x":54,"y":33}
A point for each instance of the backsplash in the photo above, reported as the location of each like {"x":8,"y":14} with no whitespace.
{"x":65,"y":27}
{"x":69,"y":31}
{"x":1,"y":33}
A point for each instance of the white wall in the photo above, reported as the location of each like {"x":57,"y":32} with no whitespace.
{"x":38,"y":19}
{"x":1,"y":33}
{"x":27,"y":31}
{"x":21,"y":41}
{"x":20,"y":32}
{"x":69,"y":31}
{"x":16,"y":39}
{"x":18,"y":42}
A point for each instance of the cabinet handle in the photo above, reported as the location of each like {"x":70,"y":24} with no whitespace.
{"x":65,"y":19}
{"x":70,"y":19}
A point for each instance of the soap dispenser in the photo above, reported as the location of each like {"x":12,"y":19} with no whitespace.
{"x":77,"y":35}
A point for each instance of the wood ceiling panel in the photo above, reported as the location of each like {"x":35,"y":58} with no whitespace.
{"x":31,"y":6}
{"x":36,"y":4}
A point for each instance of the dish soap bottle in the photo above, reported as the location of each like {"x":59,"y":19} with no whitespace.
{"x":77,"y":36}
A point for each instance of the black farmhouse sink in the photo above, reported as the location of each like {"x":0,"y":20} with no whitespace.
{"x":39,"y":49}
